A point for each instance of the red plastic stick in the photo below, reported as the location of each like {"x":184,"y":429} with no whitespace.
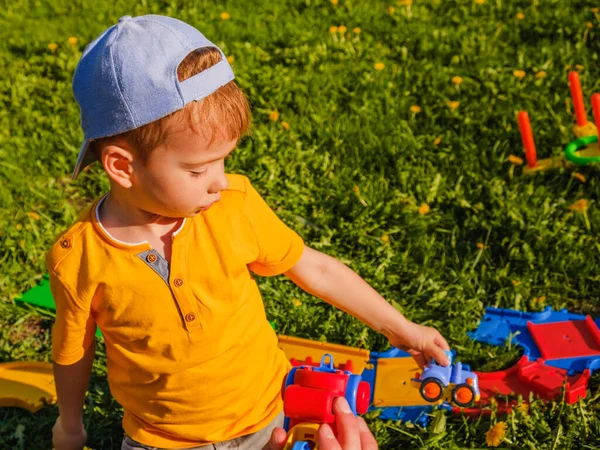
{"x":578,"y":104}
{"x":596,"y":109}
{"x":527,"y":136}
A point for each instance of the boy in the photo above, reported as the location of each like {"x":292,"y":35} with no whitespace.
{"x":162,"y":262}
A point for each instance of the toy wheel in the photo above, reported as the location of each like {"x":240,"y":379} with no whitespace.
{"x":463,"y":395}
{"x":301,"y":445}
{"x":431,"y":389}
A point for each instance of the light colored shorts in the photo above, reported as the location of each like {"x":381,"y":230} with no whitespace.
{"x":254,"y":441}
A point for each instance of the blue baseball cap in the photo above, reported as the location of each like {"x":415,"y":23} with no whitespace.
{"x":127,"y":77}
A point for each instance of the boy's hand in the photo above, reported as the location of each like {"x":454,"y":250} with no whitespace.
{"x":72,"y":439}
{"x":353,"y":433}
{"x":423,"y":343}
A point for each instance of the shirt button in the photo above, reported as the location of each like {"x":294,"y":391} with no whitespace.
{"x":190,"y":317}
{"x":151,"y":258}
{"x":65,"y":243}
{"x":178,"y":282}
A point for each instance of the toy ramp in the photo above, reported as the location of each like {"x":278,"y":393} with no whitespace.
{"x":27,"y":385}
{"x":298,"y":349}
{"x":392,"y":383}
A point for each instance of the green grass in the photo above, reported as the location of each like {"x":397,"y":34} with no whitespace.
{"x":349,"y":175}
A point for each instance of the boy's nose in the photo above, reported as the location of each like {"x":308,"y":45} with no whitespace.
{"x":220,"y":184}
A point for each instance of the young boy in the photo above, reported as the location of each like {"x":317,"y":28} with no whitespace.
{"x":162,"y":263}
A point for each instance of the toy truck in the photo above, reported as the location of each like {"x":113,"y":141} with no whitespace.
{"x":308,"y":396}
{"x":455,"y":383}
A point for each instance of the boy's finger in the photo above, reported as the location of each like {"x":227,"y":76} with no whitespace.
{"x":441,"y":341}
{"x":346,"y":425}
{"x":367,"y":440}
{"x":440,"y":356}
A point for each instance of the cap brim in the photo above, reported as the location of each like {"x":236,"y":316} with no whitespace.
{"x":84,"y":159}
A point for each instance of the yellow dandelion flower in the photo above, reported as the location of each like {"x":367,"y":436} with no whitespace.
{"x":480,"y":2}
{"x":523,"y":407}
{"x":405,"y":2}
{"x":520,"y":16}
{"x":579,"y":176}
{"x":519,"y":73}
{"x":578,"y":67}
{"x":342,"y":29}
{"x":541,"y":299}
{"x":356,"y":190}
{"x":457,"y":80}
{"x":385,"y":238}
{"x":515,"y":160}
{"x":579,"y":206}
{"x":274,"y":116}
{"x":296,"y":302}
{"x":496,"y":434}
{"x":379,"y":66}
{"x":19,"y":226}
{"x":415,"y":109}
{"x":230,"y":59}
{"x":540,"y":74}
{"x":391,"y":10}
{"x":286,"y":126}
{"x":72,"y":41}
{"x":33,"y":215}
{"x":334,"y":2}
{"x":515,"y":283}
{"x":590,"y":25}
{"x":568,"y":66}
{"x":480,"y":246}
{"x":333,"y":29}
{"x":225,"y":16}
{"x":424,"y":209}
{"x":437,"y":141}
{"x":356,"y":30}
{"x":595,"y":10}
{"x":453,"y":104}
{"x":52,"y":47}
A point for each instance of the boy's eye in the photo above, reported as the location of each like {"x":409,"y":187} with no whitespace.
{"x":197,"y":174}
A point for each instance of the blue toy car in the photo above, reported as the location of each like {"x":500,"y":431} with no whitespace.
{"x":454,"y":382}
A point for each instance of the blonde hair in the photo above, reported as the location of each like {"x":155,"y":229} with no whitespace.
{"x":224,"y":114}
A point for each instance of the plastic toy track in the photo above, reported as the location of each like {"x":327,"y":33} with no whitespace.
{"x":572,"y":148}
{"x":432,"y":389}
{"x":463,"y":395}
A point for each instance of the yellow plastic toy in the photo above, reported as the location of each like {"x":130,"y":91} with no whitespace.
{"x":27,"y":385}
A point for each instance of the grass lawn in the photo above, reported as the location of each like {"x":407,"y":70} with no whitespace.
{"x":404,"y":104}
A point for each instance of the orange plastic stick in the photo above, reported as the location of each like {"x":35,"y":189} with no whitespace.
{"x":596,"y":109}
{"x":527,"y":136}
{"x":578,"y":104}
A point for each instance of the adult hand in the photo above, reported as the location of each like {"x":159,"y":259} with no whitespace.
{"x":352,"y":432}
{"x":68,"y":439}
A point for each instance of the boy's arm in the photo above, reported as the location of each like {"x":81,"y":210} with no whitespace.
{"x":71,"y":384}
{"x":327,"y":278}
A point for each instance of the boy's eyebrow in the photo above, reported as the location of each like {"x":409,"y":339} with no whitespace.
{"x":201,"y":163}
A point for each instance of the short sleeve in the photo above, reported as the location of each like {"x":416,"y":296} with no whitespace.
{"x":280,"y":247}
{"x":74,"y":328}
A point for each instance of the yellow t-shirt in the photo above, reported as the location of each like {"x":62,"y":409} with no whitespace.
{"x":191,"y":356}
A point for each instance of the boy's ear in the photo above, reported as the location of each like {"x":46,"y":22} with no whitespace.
{"x":117,"y":160}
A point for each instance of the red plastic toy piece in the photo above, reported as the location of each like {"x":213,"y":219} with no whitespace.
{"x":527,"y":137}
{"x":596,"y":109}
{"x":578,"y":105}
{"x":570,"y":339}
